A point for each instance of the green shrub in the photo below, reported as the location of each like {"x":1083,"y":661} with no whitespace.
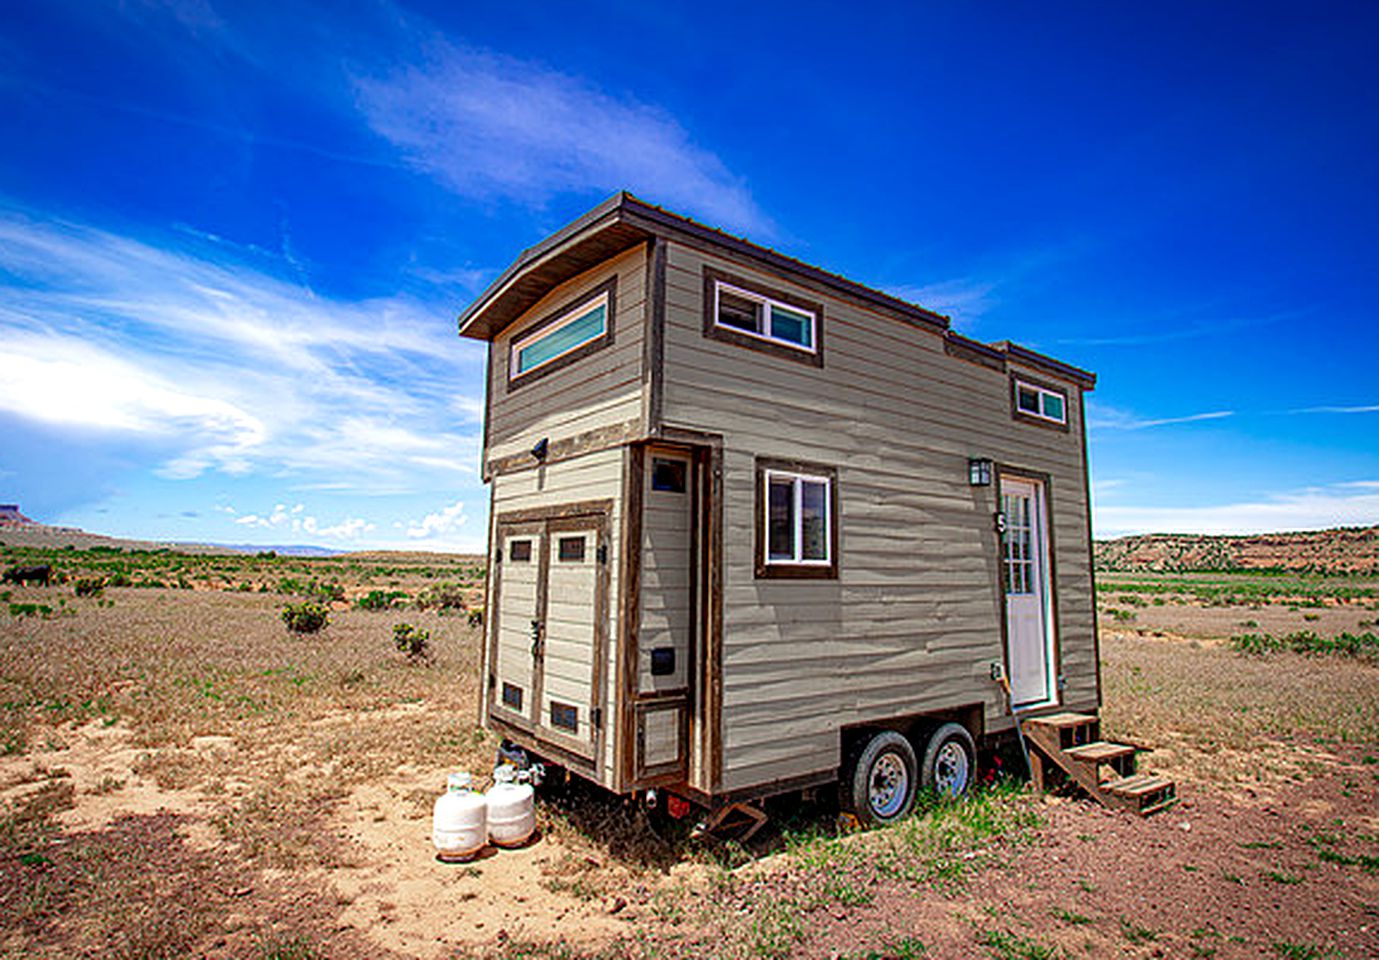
{"x":89,"y":587}
{"x":445,"y":596}
{"x":1361,"y":646}
{"x":305,"y":617}
{"x":413,"y":641}
{"x":476,"y":617}
{"x":381,"y":600}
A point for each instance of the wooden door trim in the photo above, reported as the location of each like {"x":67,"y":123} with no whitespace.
{"x":1053,"y":636}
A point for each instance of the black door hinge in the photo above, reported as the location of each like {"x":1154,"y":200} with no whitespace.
{"x":596,"y":717}
{"x":498,"y":555}
{"x":602,"y":553}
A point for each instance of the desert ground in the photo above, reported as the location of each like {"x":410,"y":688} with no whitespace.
{"x":182,"y":776}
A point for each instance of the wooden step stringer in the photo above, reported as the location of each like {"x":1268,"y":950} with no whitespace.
{"x":1071,"y":744}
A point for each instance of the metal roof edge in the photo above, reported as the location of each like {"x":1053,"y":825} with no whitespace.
{"x":536,"y":252}
{"x":1083,"y":378}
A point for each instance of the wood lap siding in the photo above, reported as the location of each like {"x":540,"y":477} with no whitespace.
{"x":599,"y":390}
{"x":915,"y":614}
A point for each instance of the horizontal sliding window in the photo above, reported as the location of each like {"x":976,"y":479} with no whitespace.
{"x":556,"y":340}
{"x":761,"y":316}
{"x":1036,"y":401}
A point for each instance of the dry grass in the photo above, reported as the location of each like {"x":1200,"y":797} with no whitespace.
{"x":269,"y":730}
{"x":272,"y":732}
{"x":1217,"y":714}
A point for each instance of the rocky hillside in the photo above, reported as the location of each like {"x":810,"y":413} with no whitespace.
{"x":1343,"y":550}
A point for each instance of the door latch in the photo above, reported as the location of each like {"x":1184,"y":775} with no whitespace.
{"x":536,"y":638}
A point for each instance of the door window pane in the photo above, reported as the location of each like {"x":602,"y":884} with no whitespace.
{"x":668,"y":475}
{"x":571,"y":549}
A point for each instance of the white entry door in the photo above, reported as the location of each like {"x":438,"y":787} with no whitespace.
{"x":1025,"y":567}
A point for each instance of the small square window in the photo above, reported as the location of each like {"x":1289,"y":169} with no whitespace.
{"x":519,"y":551}
{"x":667,"y":475}
{"x":662,"y":661}
{"x":564,"y":716}
{"x":512,"y":696}
{"x":571,"y":549}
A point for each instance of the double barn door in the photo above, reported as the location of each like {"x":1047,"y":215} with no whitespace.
{"x":548,"y":632}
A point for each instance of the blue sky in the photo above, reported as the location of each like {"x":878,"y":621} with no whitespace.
{"x":234,"y":237}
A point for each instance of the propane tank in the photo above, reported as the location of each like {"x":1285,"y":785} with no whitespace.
{"x":511,"y":808}
{"x":459,"y":821}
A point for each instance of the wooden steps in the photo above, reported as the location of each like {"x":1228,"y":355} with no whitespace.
{"x":1068,"y":746}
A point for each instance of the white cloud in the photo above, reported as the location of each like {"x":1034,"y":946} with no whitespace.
{"x":963,"y":300}
{"x":68,"y":382}
{"x":488,"y":125}
{"x":445,"y":521}
{"x":1372,"y":408}
{"x":296,"y":520}
{"x":1101,"y":417}
{"x":226,"y":368}
{"x":1315,"y":508}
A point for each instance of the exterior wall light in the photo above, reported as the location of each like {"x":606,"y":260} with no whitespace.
{"x":542,"y":447}
{"x":979,"y":472}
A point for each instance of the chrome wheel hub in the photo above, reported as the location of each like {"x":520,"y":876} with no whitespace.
{"x":890,"y":786}
{"x":952,"y":769}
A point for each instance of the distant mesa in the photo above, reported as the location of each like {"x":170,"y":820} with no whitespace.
{"x":1341,"y":550}
{"x":11,"y":517}
{"x":17,"y":530}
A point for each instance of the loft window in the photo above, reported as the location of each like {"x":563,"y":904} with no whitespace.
{"x":1032,"y":400}
{"x":758,"y":315}
{"x":798,"y":518}
{"x":552,"y":341}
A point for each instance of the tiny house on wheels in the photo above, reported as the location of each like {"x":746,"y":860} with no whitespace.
{"x":757,"y":528}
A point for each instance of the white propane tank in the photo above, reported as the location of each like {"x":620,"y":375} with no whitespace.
{"x":511,"y":809}
{"x":459,"y":822}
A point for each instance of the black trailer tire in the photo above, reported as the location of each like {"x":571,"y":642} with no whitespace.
{"x":950,"y":762}
{"x":882,"y":780}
